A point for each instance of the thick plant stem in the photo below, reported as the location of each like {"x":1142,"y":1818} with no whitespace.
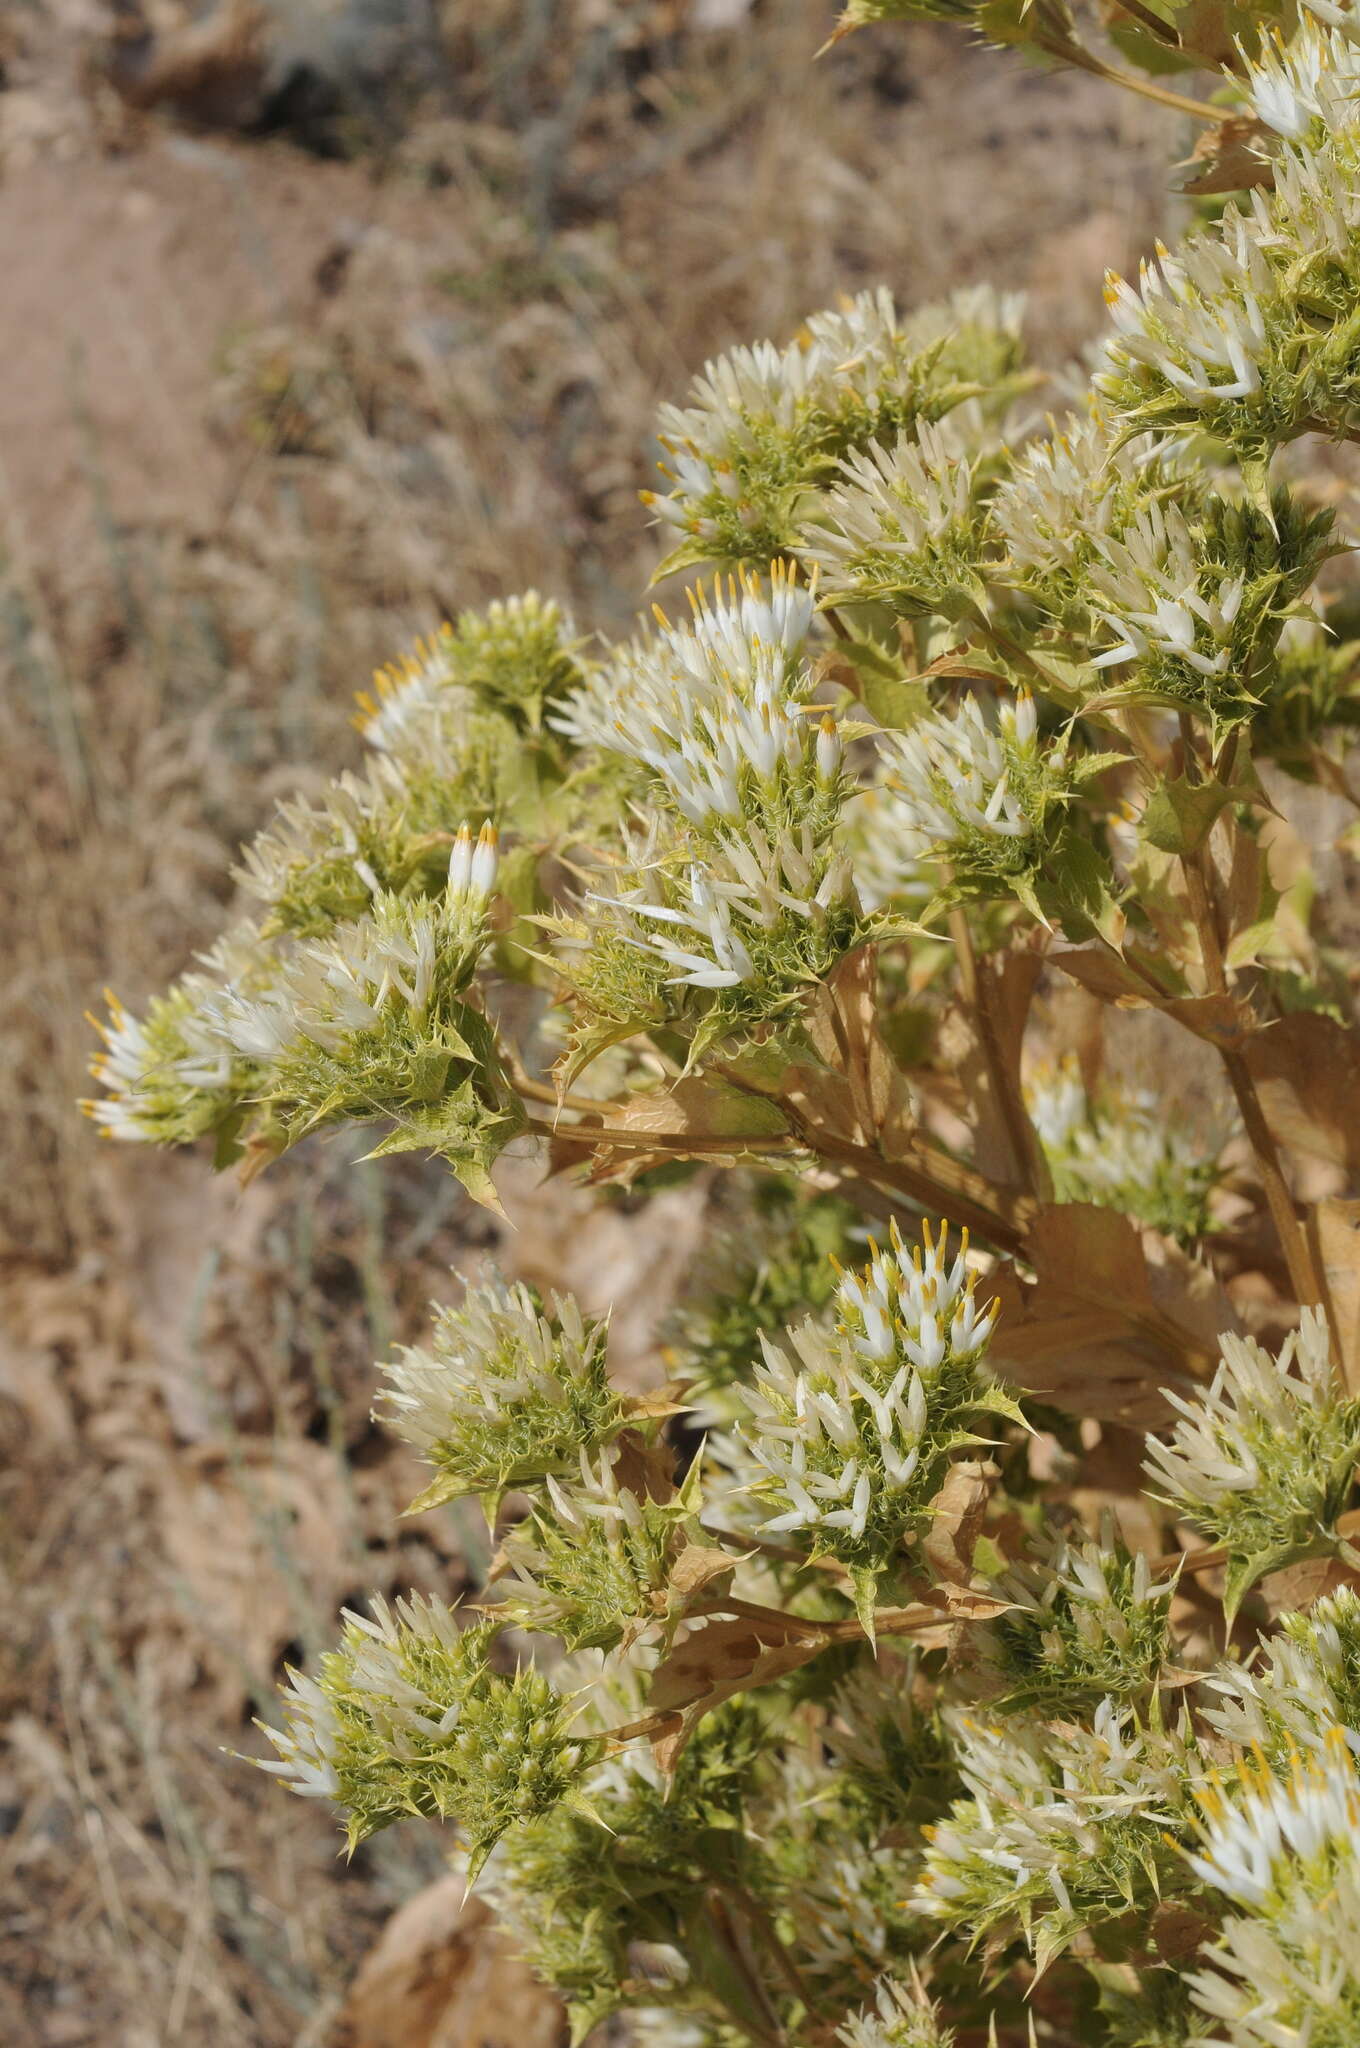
{"x":1210,"y":1556}
{"x":1019,"y":1130}
{"x":1298,"y":1253}
{"x":1083,"y":60}
{"x":1303,"y":1275}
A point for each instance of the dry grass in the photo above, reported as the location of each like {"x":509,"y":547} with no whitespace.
{"x":314,"y":407}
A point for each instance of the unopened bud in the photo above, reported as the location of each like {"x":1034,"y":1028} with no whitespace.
{"x":460,"y":863}
{"x":485,"y":860}
{"x":828,"y":750}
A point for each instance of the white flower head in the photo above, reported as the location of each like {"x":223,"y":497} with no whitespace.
{"x":902,"y":2016}
{"x":1283,"y":1831}
{"x":1263,"y":1458}
{"x":506,"y":1392}
{"x":846,"y":1425}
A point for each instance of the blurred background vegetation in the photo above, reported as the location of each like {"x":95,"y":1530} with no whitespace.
{"x":321,"y":320}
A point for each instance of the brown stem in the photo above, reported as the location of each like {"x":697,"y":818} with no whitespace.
{"x":1019,"y":1129}
{"x":539,"y":1091}
{"x":1303,"y":1275}
{"x":939,"y":1184}
{"x":758,"y":2019}
{"x":755,"y":1610}
{"x":748,"y":1905}
{"x":784,"y":1552}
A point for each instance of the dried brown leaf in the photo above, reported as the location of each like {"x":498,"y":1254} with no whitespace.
{"x":1228,"y":158}
{"x":1179,"y":1932}
{"x":1113,"y":1316}
{"x":860,"y":1093}
{"x":979,"y":1046}
{"x":1307,"y":1073}
{"x":722,"y":1657}
{"x":1334,"y":1230}
{"x":956,"y":1517}
{"x":718,"y":1659}
{"x":440,"y":1976}
{"x":1104,"y":973}
{"x":698,"y":1567}
{"x":1221,"y":1019}
{"x":699,"y":1106}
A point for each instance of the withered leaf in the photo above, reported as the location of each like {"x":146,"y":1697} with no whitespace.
{"x":661,"y":1402}
{"x":717,"y":1660}
{"x":1334,"y":1231}
{"x":698,"y":1567}
{"x":1307,"y":1072}
{"x":1221,"y":1019}
{"x":1114,"y":1315}
{"x":441,"y":1975}
{"x":699,"y":1106}
{"x":1106,"y":974}
{"x":1179,"y":1932}
{"x":722,"y":1657}
{"x":956,"y":1518}
{"x":1228,"y":158}
{"x":982,"y":1070}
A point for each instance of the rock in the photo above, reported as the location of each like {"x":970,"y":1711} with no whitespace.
{"x":329,"y":72}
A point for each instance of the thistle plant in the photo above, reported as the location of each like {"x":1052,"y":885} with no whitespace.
{"x":963,"y":1643}
{"x":1264,"y":1460}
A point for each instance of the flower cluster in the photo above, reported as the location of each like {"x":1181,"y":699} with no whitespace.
{"x":369,"y":1022}
{"x":737,"y":891}
{"x":1284,"y":1853}
{"x":1307,"y":1683}
{"x":1195,"y":609}
{"x":650,"y":1855}
{"x":505,"y":1395}
{"x":903,"y":528}
{"x":1263,"y":1460}
{"x":1247,"y":331}
{"x":901,"y":2017}
{"x":991,"y":797}
{"x":408,"y":1716}
{"x":591,"y":1565}
{"x":1064,"y":1827}
{"x":1085,"y":1622}
{"x":170,"y":1077}
{"x":1121,"y":1152}
{"x":852,"y":1428}
{"x":765,"y":426}
{"x":518,"y":657}
{"x":1069,"y":495}
{"x":891,"y":1748}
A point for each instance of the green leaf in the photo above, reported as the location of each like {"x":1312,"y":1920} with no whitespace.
{"x":996,"y":1401}
{"x":437,"y":1494}
{"x":227,"y":1146}
{"x":864,"y":1585}
{"x":1179,"y":815}
{"x":883,"y":686}
{"x":1077,"y":889}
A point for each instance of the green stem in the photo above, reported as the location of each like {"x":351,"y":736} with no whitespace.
{"x":1067,"y":52}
